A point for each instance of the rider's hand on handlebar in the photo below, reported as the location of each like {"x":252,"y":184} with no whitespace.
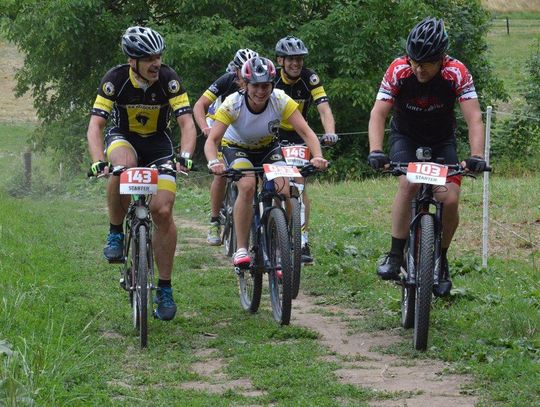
{"x":329,"y":139}
{"x":216,"y":168}
{"x":377,"y":159}
{"x":475,"y":163}
{"x":99,"y":167}
{"x":183,"y":162}
{"x":319,"y":163}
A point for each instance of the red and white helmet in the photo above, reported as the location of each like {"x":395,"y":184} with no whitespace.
{"x":258,"y":70}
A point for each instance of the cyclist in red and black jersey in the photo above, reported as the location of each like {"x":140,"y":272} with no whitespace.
{"x":421,"y":89}
{"x":304,"y":86}
{"x":216,"y":93}
{"x":140,"y":96}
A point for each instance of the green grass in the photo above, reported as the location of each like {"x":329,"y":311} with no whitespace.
{"x":509,"y":53}
{"x":67,"y":324}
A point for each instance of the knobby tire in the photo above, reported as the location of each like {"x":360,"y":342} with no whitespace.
{"x":295,"y":229}
{"x":424,"y":281}
{"x":279,"y":253}
{"x":228,"y":237}
{"x":408,"y":292}
{"x":142,"y":287}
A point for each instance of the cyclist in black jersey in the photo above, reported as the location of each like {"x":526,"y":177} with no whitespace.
{"x":421,"y":88}
{"x":140,"y":96}
{"x":304,"y":86}
{"x":216,"y":93}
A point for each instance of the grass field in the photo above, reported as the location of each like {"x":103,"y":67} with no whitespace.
{"x":64,"y":319}
{"x":510,"y":52}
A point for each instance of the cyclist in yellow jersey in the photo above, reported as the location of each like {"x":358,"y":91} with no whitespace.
{"x":305,"y":87}
{"x":245,"y":127}
{"x":141,"y":95}
{"x":204,"y":112}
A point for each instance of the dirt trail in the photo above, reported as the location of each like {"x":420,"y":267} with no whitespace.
{"x":412,"y":382}
{"x":417,"y":383}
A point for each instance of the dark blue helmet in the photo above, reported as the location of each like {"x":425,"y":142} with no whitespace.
{"x":427,"y":41}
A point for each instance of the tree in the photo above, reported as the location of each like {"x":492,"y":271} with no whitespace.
{"x":70,"y":45}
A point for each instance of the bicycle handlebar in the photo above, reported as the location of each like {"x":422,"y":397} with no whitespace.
{"x":399,"y":168}
{"x":237,"y":173}
{"x":119,"y":169}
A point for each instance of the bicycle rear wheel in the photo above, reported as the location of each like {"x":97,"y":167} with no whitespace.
{"x":228,"y":236}
{"x":250,"y":280}
{"x":142,"y":289}
{"x":424,"y":282}
{"x":408,"y":293}
{"x":295,"y":230}
{"x":280,"y":271}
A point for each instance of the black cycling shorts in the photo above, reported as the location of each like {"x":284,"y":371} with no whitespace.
{"x":291,"y":137}
{"x":237,"y":157}
{"x":403,"y":149}
{"x":155,"y":149}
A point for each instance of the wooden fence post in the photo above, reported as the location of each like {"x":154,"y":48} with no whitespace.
{"x":27,"y":157}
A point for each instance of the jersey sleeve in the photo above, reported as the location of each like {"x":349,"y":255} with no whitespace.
{"x":316,"y":88}
{"x":175,"y":91}
{"x":106,"y":95}
{"x":391,"y":82}
{"x":227,"y":112}
{"x":461,"y":79}
{"x":219,"y":87}
{"x":286,"y":105}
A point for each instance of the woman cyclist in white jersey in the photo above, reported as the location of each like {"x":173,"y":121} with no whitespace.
{"x":245,"y":126}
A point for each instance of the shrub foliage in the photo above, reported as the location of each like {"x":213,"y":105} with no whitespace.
{"x":69,"y":45}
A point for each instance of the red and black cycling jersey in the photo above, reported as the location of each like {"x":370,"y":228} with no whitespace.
{"x":138,"y":110}
{"x":425,"y":111}
{"x":217,"y":92}
{"x":305,"y":90}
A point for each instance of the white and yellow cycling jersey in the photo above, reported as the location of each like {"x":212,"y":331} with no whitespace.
{"x":252,"y":130}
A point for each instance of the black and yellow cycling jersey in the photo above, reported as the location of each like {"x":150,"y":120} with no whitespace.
{"x":218,"y":91}
{"x":305,"y":90}
{"x":137,"y":110}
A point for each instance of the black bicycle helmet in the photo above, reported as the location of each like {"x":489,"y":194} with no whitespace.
{"x":427,"y":41}
{"x":141,"y":42}
{"x":290,"y":46}
{"x":258,"y":70}
{"x":242,"y":55}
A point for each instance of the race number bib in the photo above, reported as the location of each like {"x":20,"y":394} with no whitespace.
{"x":276,"y":171}
{"x":427,"y":173}
{"x":139,"y":181}
{"x":296,"y":155}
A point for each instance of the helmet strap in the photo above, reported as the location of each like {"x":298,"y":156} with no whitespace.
{"x":136,"y":70}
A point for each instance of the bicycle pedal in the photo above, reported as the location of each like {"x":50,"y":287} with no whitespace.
{"x":116,"y":261}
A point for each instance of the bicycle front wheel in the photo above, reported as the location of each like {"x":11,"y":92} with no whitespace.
{"x":425,"y":264}
{"x":280,"y":270}
{"x":142,"y":288}
{"x":295,"y":230}
{"x":250,"y":280}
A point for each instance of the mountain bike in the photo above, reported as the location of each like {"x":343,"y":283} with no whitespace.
{"x":421,"y":270}
{"x":137,"y":270}
{"x":270,"y":246}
